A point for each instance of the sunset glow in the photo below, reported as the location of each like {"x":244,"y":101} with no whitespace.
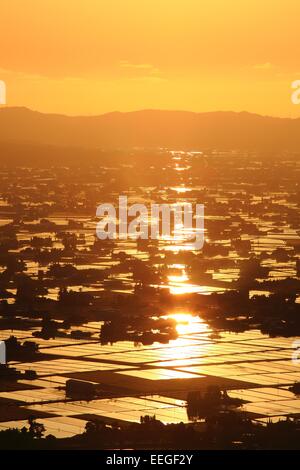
{"x":93,"y":57}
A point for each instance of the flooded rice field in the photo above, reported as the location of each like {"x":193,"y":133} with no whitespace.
{"x":149,"y":321}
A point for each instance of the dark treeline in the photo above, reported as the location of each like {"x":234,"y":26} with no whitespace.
{"x":227,"y":430}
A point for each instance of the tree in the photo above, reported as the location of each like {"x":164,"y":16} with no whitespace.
{"x":36,"y":430}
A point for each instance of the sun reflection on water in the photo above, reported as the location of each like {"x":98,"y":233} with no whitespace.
{"x":179,"y":285}
{"x":187,"y":323}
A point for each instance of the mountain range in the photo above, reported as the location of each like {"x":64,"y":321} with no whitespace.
{"x":151,"y":129}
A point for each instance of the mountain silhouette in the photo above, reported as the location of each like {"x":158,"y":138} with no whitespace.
{"x":151,"y":129}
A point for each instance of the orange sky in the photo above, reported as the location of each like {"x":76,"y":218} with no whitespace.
{"x":95,"y":56}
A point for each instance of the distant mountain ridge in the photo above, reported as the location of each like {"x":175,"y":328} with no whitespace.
{"x":151,"y":128}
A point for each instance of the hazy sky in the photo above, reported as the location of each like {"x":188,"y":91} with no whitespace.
{"x":95,"y":56}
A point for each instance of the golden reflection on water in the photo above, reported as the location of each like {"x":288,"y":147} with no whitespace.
{"x":187,"y":323}
{"x":178,"y":285}
{"x":178,"y":278}
{"x":180,"y":189}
